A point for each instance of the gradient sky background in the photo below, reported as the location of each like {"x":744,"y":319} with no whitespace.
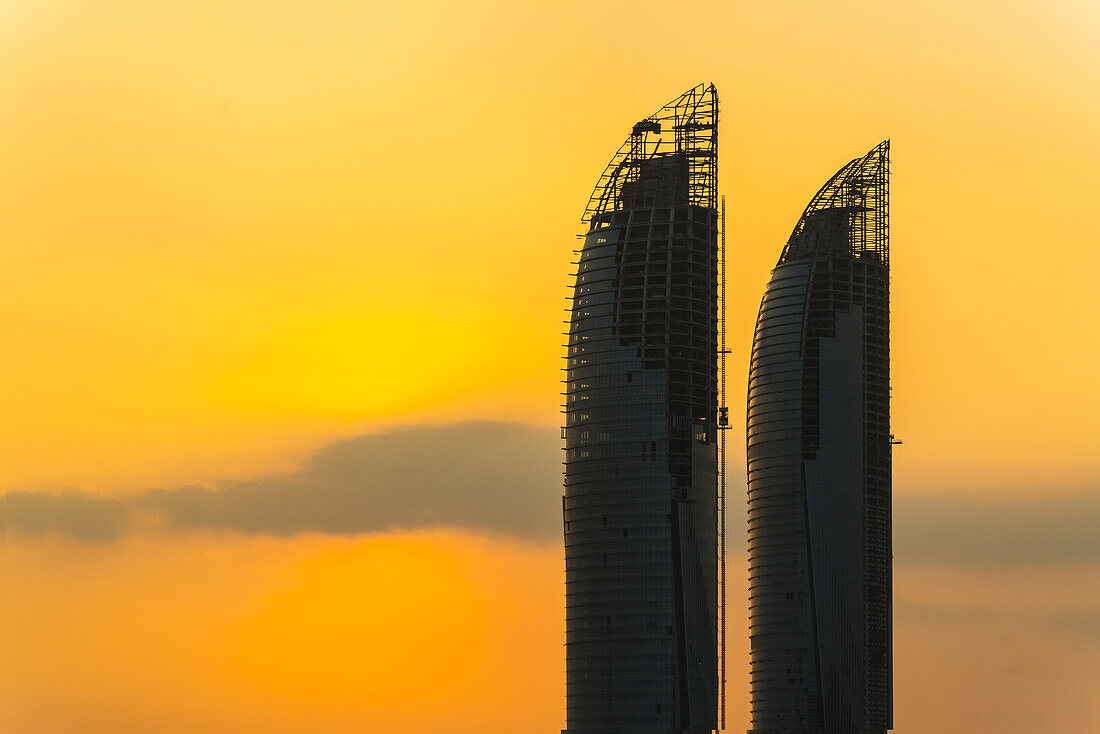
{"x":283,"y":286}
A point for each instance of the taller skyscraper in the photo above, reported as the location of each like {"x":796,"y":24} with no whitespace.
{"x":819,"y":468}
{"x":641,"y":468}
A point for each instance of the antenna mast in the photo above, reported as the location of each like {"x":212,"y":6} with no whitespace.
{"x":723,"y":426}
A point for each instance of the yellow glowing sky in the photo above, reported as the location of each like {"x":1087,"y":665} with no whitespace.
{"x":236,"y":231}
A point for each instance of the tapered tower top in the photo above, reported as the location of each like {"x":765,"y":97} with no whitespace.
{"x":673,"y":153}
{"x":850,"y":214}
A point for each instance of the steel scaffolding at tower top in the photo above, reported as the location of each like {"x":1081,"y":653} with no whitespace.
{"x":851,"y":212}
{"x":685,"y":133}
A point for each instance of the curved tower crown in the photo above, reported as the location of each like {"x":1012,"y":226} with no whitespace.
{"x":819,"y":474}
{"x":850,"y":214}
{"x":641,"y":461}
{"x":682,"y":136}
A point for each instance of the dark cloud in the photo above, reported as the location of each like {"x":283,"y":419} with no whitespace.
{"x":78,"y":515}
{"x":957,"y":530}
{"x":506,"y":478}
{"x":494,"y":477}
{"x":486,"y":477}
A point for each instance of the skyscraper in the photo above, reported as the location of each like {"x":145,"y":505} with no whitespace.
{"x":819,"y":468}
{"x":641,"y":469}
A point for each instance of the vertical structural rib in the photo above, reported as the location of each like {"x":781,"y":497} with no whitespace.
{"x":819,"y":476}
{"x":640,"y":504}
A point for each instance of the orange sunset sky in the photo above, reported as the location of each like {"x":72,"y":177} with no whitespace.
{"x":283,"y":287}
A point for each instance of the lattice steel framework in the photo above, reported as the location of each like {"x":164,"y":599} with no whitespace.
{"x":687,"y":127}
{"x":858,"y":191}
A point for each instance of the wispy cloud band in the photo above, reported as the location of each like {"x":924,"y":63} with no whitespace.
{"x":506,"y":478}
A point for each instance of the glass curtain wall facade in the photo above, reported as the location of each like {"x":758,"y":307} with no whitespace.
{"x":640,"y":502}
{"x":819,"y":476}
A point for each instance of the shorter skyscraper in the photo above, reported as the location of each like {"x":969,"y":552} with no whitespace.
{"x":819,"y":481}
